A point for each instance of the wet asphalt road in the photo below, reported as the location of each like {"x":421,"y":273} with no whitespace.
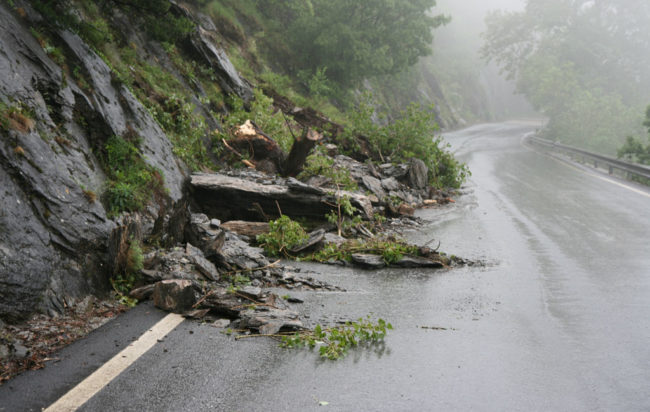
{"x":557,"y":319}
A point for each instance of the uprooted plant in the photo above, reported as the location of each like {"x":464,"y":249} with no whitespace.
{"x":334,"y":342}
{"x":342,"y":214}
{"x":284,"y":234}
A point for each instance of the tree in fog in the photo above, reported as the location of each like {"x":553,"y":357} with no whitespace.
{"x":583,"y":63}
{"x":634,"y":149}
{"x":348,"y":41}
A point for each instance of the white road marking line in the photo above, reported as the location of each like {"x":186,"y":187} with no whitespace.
{"x":603,"y":178}
{"x":641,"y":192}
{"x":85,"y":390}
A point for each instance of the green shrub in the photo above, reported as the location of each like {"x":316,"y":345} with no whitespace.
{"x":284,"y":234}
{"x":319,"y":164}
{"x":4,"y":118}
{"x":131,"y":182}
{"x":411,"y":135}
{"x":167,"y":101}
{"x":634,"y":149}
{"x":135,"y":259}
{"x":97,"y":33}
{"x":169,"y":29}
{"x":343,"y":214}
{"x":316,"y":83}
{"x":185,"y":129}
{"x":159,"y":22}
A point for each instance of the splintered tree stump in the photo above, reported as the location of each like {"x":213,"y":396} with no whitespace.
{"x":300,"y":149}
{"x":265,"y":153}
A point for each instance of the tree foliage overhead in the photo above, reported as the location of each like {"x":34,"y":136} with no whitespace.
{"x":352,"y":40}
{"x":583,"y":63}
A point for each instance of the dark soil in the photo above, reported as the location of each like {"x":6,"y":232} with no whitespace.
{"x":30,"y":345}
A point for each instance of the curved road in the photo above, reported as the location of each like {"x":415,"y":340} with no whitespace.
{"x":557,"y":319}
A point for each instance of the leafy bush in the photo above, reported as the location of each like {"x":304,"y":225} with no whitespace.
{"x":167,"y":100}
{"x":319,"y":164}
{"x":284,"y":234}
{"x":185,"y":128}
{"x":159,"y":22}
{"x":343,"y":214}
{"x":411,"y":135}
{"x":132,"y":183}
{"x":634,"y":149}
{"x":317,"y":83}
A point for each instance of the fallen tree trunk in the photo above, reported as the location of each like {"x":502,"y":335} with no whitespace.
{"x":360,"y":148}
{"x":265,"y":153}
{"x":306,"y":117}
{"x":251,"y":229}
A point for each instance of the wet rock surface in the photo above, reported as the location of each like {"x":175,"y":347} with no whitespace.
{"x":54,"y":228}
{"x":176,"y":295}
{"x":233,"y":196}
{"x":50,"y":235}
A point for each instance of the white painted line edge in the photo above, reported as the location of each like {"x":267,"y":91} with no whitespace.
{"x":603,"y":178}
{"x":85,"y":390}
{"x":592,"y":174}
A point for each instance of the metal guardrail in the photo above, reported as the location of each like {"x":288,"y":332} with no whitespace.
{"x":611,"y":163}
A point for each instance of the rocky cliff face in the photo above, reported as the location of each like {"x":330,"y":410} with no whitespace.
{"x":54,"y":230}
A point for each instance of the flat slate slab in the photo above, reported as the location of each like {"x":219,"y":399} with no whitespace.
{"x":235,"y":198}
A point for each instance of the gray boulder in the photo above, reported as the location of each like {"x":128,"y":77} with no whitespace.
{"x":237,"y":254}
{"x":367,"y":261}
{"x":175,"y":295}
{"x":374,"y":185}
{"x":418,"y":174}
{"x":390,"y":184}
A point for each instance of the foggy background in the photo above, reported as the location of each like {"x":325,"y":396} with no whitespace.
{"x":462,"y":38}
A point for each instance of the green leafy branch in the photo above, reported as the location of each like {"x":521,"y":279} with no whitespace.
{"x":283,"y":235}
{"x":335,"y":342}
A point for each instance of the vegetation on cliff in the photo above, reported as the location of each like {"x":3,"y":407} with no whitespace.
{"x":197,"y":115}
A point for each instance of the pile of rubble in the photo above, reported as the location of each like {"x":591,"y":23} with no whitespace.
{"x":211,"y":269}
{"x":218,"y":274}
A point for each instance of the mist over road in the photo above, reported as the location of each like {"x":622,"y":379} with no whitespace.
{"x":557,"y":319}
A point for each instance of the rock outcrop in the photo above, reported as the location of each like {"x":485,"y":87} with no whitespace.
{"x":54,"y":228}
